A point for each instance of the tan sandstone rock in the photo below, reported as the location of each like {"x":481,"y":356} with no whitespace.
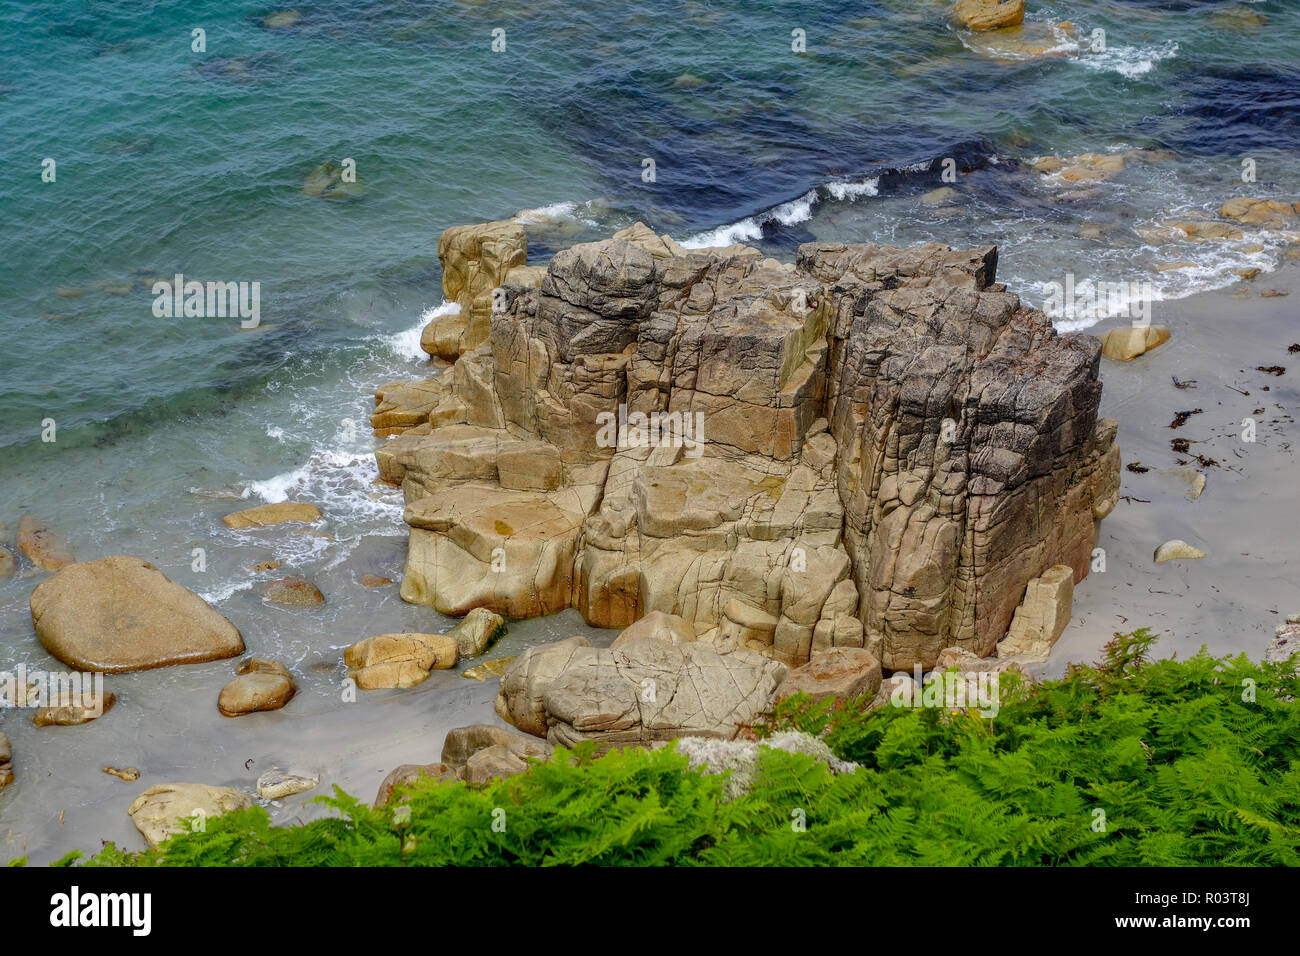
{"x":463,"y":743}
{"x":264,"y":515}
{"x":8,"y":564}
{"x":122,"y":614}
{"x":1176,"y":549}
{"x":989,"y":14}
{"x":6,"y":762}
{"x":261,"y":685}
{"x":1041,"y":616}
{"x":276,"y":784}
{"x":293,"y":591}
{"x":840,"y":672}
{"x":1126,"y":343}
{"x":71,"y":713}
{"x":170,"y":808}
{"x":398,"y":660}
{"x":409,"y":773}
{"x":475,"y":261}
{"x":660,"y":626}
{"x":477,"y":631}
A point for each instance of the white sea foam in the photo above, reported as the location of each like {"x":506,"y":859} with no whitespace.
{"x":1128,"y":61}
{"x":406,"y":344}
{"x":788,"y":213}
{"x":556,"y":212}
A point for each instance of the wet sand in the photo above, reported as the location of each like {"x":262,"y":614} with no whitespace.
{"x":1247,"y":520}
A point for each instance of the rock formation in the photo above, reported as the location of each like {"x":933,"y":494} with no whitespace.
{"x":870,"y":447}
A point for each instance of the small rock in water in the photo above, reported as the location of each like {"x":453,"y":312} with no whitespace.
{"x":265,"y":566}
{"x":688,"y":81}
{"x":374,"y":581}
{"x":261,"y":685}
{"x":8,"y":563}
{"x":477,"y":631}
{"x":327,"y":182}
{"x":494,"y":668}
{"x":276,"y":784}
{"x":399,"y":660}
{"x":73,"y":714}
{"x":939,"y":197}
{"x":129,"y":774}
{"x":282,"y":18}
{"x":264,"y":515}
{"x":293,"y":591}
{"x":1274,"y":293}
{"x":1173,"y":550}
{"x":43,"y":546}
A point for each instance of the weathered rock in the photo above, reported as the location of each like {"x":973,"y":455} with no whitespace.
{"x":398,"y":660}
{"x":840,"y":672}
{"x":660,"y":626}
{"x":276,"y":784}
{"x":479,"y":629}
{"x":463,"y":743}
{"x":8,"y":564}
{"x":1042,"y":615}
{"x":1128,"y":342}
{"x":401,"y":406}
{"x":519,"y":698}
{"x":408,"y":773}
{"x":264,"y":515}
{"x":1173,"y":550}
{"x":740,"y":758}
{"x":475,"y":261}
{"x":645,"y":691}
{"x":261,"y":685}
{"x":176,"y":807}
{"x":1272,"y":213}
{"x":1285,"y":644}
{"x":80,"y":710}
{"x":989,"y":14}
{"x":293,"y":591}
{"x":129,"y":774}
{"x":488,"y":669}
{"x":121,"y":614}
{"x":374,"y":581}
{"x":871,"y":448}
{"x":44,"y":546}
{"x":493,"y":763}
{"x":6,"y":762}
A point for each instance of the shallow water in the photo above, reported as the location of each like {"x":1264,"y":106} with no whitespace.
{"x":173,"y":161}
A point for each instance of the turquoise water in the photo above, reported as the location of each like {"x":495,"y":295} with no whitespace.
{"x":170,"y":160}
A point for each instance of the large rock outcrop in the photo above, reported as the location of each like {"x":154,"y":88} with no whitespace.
{"x":870,"y":448}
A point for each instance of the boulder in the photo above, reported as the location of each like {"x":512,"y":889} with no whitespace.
{"x":840,"y":672}
{"x":6,"y":762}
{"x":398,"y":660}
{"x":1128,"y":342}
{"x":493,"y":763}
{"x":660,"y":626}
{"x":1173,"y":550}
{"x":122,"y":614}
{"x":1041,"y":616}
{"x":374,"y":581}
{"x":519,"y":697}
{"x":638,"y":694}
{"x":44,"y":546}
{"x":989,"y":14}
{"x":260,"y":685}
{"x":170,"y":808}
{"x":74,"y":712}
{"x":8,"y":564}
{"x":475,"y":261}
{"x":264,"y":515}
{"x":1272,"y":213}
{"x":477,"y":631}
{"x":463,"y":743}
{"x":293,"y":591}
{"x":407,"y":774}
{"x":276,"y":784}
{"x":401,"y":406}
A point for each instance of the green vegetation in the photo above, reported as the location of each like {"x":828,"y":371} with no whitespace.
{"x":1192,"y":762}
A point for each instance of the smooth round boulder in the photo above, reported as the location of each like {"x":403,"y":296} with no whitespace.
{"x":44,"y":546}
{"x":122,"y":614}
{"x":169,"y":807}
{"x":293,"y":591}
{"x":261,"y":685}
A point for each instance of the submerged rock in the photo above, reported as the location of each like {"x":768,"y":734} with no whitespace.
{"x":328,"y":181}
{"x":73,"y":713}
{"x":8,"y":564}
{"x":264,"y":515}
{"x":493,"y":668}
{"x":261,"y":685}
{"x":44,"y":546}
{"x":293,"y":591}
{"x":122,"y":614}
{"x":170,"y":808}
